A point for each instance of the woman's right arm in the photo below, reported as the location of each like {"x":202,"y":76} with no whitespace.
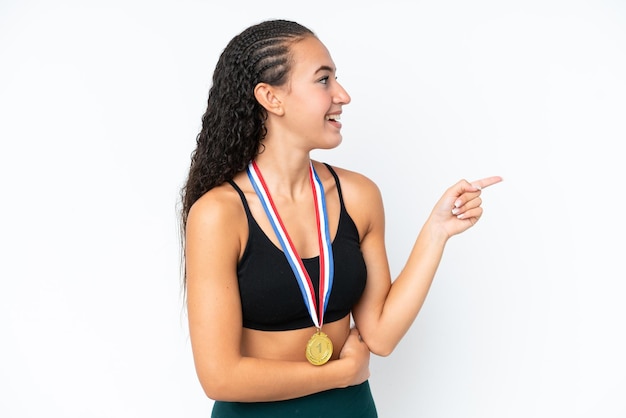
{"x":213,"y":245}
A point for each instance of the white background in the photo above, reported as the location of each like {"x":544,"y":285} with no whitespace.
{"x":100,"y":104}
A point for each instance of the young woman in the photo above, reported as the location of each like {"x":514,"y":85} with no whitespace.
{"x":281,"y":251}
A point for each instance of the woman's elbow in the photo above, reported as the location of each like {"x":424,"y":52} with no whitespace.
{"x":217,"y":385}
{"x":380,"y":348}
{"x":218,"y":390}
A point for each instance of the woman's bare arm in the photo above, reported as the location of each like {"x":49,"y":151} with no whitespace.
{"x":387,"y":309}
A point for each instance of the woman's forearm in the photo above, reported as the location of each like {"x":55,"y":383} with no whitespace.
{"x":258,"y":380}
{"x":248,"y":379}
{"x":408,"y":292}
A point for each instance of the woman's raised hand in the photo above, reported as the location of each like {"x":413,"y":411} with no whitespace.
{"x":460,"y":206}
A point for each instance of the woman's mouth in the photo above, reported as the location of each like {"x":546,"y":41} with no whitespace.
{"x":334,"y":120}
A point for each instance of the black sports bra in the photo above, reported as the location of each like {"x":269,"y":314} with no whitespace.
{"x":270,"y":295}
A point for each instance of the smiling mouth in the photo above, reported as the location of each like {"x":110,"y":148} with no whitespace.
{"x":334,"y":118}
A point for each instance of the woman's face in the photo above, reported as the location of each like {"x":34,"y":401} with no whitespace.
{"x":312,"y":98}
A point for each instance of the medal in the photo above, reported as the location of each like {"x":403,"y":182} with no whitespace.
{"x":320,"y":347}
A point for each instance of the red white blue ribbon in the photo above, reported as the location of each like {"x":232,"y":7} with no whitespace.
{"x":316,"y":308}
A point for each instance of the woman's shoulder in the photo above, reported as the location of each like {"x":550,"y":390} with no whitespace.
{"x":219,"y":206}
{"x":353,"y":182}
{"x":362,"y":199}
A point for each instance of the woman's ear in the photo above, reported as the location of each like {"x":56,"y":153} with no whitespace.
{"x":266,"y":96}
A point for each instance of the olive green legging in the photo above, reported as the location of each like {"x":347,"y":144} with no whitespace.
{"x":352,"y":402}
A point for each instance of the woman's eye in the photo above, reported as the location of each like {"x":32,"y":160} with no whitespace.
{"x":324,"y":80}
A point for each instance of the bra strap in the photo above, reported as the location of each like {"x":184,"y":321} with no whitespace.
{"x":337,"y":183}
{"x":243,"y":199}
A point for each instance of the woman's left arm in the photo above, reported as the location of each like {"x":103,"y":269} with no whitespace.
{"x":387,"y":309}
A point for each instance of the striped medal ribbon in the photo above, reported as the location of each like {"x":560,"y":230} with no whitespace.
{"x":319,"y":348}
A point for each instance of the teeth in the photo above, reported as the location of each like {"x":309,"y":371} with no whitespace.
{"x":333,"y":117}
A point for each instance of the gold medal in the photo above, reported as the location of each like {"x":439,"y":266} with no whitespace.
{"x":319,"y":349}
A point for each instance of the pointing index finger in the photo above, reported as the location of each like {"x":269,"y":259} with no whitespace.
{"x":486,"y":182}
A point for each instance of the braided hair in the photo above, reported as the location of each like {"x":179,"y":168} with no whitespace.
{"x":233,"y":124}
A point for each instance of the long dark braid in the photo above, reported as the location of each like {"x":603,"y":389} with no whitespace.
{"x":233,"y":124}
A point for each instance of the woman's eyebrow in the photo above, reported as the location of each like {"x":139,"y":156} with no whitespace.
{"x":325,"y":68}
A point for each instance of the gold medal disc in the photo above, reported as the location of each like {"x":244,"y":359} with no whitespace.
{"x":319,"y":349}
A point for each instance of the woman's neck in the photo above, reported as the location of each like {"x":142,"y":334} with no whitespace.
{"x":285,"y":175}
